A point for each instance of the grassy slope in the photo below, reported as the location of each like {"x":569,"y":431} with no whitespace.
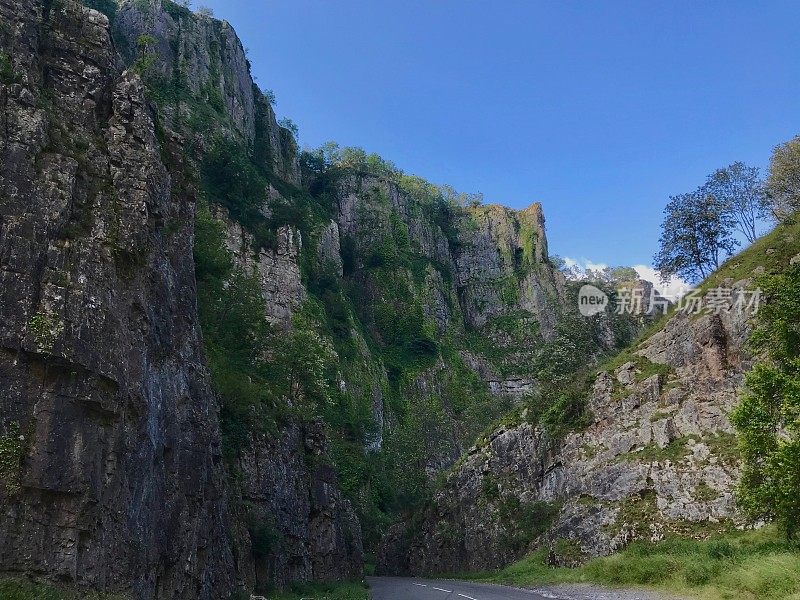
{"x":747,"y":565}
{"x":757,"y":565}
{"x":343,"y":591}
{"x":771,"y":251}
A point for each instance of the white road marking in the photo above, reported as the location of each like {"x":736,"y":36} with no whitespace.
{"x":443,"y":590}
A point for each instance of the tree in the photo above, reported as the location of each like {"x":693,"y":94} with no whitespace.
{"x":205,"y":12}
{"x":623,"y":274}
{"x":270,"y":96}
{"x":146,"y":56}
{"x":231,"y":178}
{"x":696,"y":231}
{"x":783,"y":180}
{"x":768,"y":416}
{"x":301,"y":367}
{"x":740,"y":188}
{"x":287,"y":123}
{"x":612,"y":275}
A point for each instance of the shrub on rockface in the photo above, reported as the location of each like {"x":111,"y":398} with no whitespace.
{"x":263,"y":377}
{"x":230,"y":178}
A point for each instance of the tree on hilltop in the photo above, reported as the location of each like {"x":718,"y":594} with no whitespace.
{"x":742,"y":192}
{"x":783,"y":181}
{"x":696,"y":233}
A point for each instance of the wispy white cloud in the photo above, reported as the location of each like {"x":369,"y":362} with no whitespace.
{"x":674,"y":289}
{"x":581,"y":265}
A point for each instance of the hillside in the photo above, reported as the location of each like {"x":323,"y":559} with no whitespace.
{"x":657,"y":458}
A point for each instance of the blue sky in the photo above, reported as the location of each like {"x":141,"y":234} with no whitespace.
{"x":599,"y":110}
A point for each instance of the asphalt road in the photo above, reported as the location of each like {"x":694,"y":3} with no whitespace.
{"x":406,"y":588}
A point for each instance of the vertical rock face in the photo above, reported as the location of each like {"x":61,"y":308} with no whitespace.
{"x":278,"y":268}
{"x":115,"y":481}
{"x":292,"y":489}
{"x":503,"y":244}
{"x":111,"y":474}
{"x":206,"y":57}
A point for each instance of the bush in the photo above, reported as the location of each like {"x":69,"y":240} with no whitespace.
{"x":621,"y":571}
{"x":7,"y":73}
{"x":265,"y":539}
{"x":719,"y":549}
{"x":231,"y":179}
{"x":767,"y":418}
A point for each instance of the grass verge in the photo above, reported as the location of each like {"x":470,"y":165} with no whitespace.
{"x":13,"y":588}
{"x":743,"y":565}
{"x":326,"y":591}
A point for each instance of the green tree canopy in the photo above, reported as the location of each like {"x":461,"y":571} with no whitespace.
{"x":696,"y":232}
{"x":783,"y":181}
{"x":741,"y":190}
{"x":768,"y":416}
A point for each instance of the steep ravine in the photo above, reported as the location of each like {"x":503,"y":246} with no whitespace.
{"x":135,"y":459}
{"x":658,"y":456}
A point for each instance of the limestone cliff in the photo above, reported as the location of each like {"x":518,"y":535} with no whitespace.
{"x":115,"y":480}
{"x":113,"y":475}
{"x":146,"y":189}
{"x":658,"y":456}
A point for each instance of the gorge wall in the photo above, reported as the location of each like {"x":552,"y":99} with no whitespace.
{"x":112,"y":471}
{"x":155,"y":446}
{"x":657,"y":457}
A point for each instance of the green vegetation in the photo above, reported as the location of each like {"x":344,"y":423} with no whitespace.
{"x":327,"y":591}
{"x":25,"y":589}
{"x":264,"y":377}
{"x":674,"y":452}
{"x":523,"y":522}
{"x":771,"y":252}
{"x":12,"y":451}
{"x":741,"y":190}
{"x":696,"y":231}
{"x":783,"y":181}
{"x":46,"y":330}
{"x":7,"y":73}
{"x":699,"y":226}
{"x":290,"y":125}
{"x":755,"y":565}
{"x":107,"y":7}
{"x":147,"y":56}
{"x":768,"y":417}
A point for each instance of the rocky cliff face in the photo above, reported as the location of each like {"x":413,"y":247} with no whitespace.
{"x":113,"y":475}
{"x":658,"y":457}
{"x":114,"y":478}
{"x":200,"y":77}
{"x":115,"y":471}
{"x":290,"y":486}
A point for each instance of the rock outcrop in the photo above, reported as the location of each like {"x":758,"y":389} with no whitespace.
{"x":659,"y":457}
{"x":293,"y":497}
{"x":204,"y":56}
